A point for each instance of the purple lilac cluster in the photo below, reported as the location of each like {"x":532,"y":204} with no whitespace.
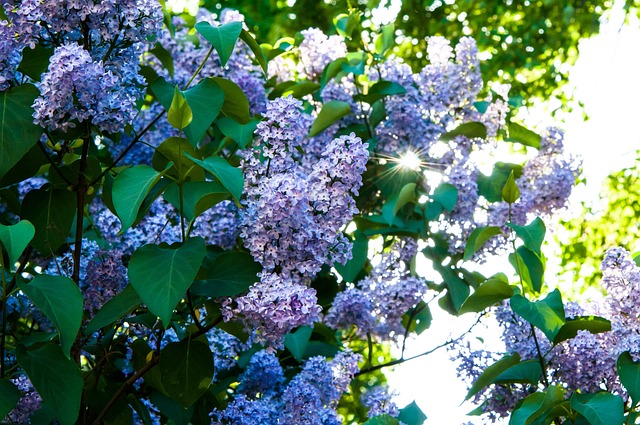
{"x":30,"y":401}
{"x":378,"y":401}
{"x":317,"y":50}
{"x":311,"y":397}
{"x":377,"y":304}
{"x":105,"y":277}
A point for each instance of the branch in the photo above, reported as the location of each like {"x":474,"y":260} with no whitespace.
{"x":54,"y":165}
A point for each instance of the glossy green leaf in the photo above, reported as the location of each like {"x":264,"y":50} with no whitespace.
{"x":411,"y":414}
{"x":179,"y":113}
{"x":15,"y":239}
{"x":510,"y":191}
{"x":164,"y":57}
{"x":114,"y":309}
{"x":236,"y":104}
{"x":223,"y":38}
{"x":174,"y":411}
{"x":629,"y":373}
{"x":51,"y":212}
{"x":406,"y":195}
{"x":9,"y":397}
{"x":382,"y":420}
{"x":599,"y":409}
{"x":230,"y":274}
{"x":446,"y":195}
{"x":297,"y":342}
{"x":478,"y":238}
{"x":489,"y":293}
{"x":35,"y":61}
{"x":332,"y":70}
{"x":186,"y":368}
{"x":532,"y":235}
{"x":56,"y":378}
{"x":130,"y":188}
{"x":491,"y":186}
{"x":537,"y":406}
{"x":547,"y":314}
{"x":162,"y":275}
{"x":331,"y":112}
{"x":206,"y":100}
{"x":170,"y":156}
{"x":380,"y":90}
{"x":255,"y":48}
{"x":230,"y":176}
{"x":530,"y":267}
{"x":521,"y":134}
{"x":242,"y":134}
{"x":491,"y":373}
{"x":197,"y":197}
{"x":60,"y":299}
{"x":458,"y":288}
{"x":526,"y":372}
{"x":593,"y":324}
{"x":468,"y":129}
{"x":18,"y":133}
{"x":385,"y":40}
{"x":297,"y":89}
{"x":360,"y":250}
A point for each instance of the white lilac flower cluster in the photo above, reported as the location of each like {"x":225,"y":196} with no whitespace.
{"x":292,"y":220}
{"x":585,"y":363}
{"x":311,"y":397}
{"x":377,"y":303}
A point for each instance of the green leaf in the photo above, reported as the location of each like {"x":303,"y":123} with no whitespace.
{"x":411,"y":414}
{"x":230,"y":176}
{"x":186,"y":368}
{"x":382,"y":420}
{"x":520,"y":134}
{"x":446,"y":195}
{"x":255,"y":48}
{"x":488,"y":293}
{"x":15,"y":239}
{"x":223,"y":38}
{"x":510,"y":191}
{"x":175,"y":413}
{"x":296,"y":89}
{"x":179,"y":113}
{"x":35,"y":61}
{"x":385,"y":40}
{"x":169,"y":156}
{"x":9,"y":397}
{"x":331,"y":70}
{"x":532,"y":235}
{"x":599,"y":409}
{"x":56,"y":378}
{"x":478,"y":238}
{"x":331,"y":112}
{"x":206,"y":100}
{"x":491,"y":186}
{"x":61,"y":301}
{"x":629,"y":373}
{"x":130,"y":188}
{"x":236,"y":104}
{"x":230,"y":274}
{"x":296,"y":342}
{"x":458,"y":289}
{"x":162,"y":275}
{"x":197,"y":197}
{"x":530,"y":266}
{"x":18,"y":133}
{"x":526,"y":372}
{"x":547,"y":314}
{"x":164,"y":56}
{"x":352,"y":268}
{"x":28,"y":166}
{"x":391,"y":207}
{"x":242,"y":134}
{"x":593,"y":324}
{"x":491,"y":373}
{"x":114,"y":309}
{"x":380,"y":90}
{"x":468,"y":129}
{"x":537,"y":406}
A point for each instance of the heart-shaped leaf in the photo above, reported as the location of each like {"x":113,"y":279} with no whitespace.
{"x":223,"y":38}
{"x":16,"y":238}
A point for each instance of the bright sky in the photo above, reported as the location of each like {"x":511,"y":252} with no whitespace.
{"x":606,"y":80}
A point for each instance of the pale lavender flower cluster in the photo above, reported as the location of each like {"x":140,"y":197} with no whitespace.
{"x":378,"y":401}
{"x":226,"y":348}
{"x":219,"y":225}
{"x":317,"y":50}
{"x":106,"y":276}
{"x":311,"y":397}
{"x":30,"y":401}
{"x":377,"y":305}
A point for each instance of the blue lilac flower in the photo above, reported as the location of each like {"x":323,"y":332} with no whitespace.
{"x":317,"y":50}
{"x":351,"y":307}
{"x":225,"y":348}
{"x":245,"y":411}
{"x":106,"y":276}
{"x":263,"y":376}
{"x":30,"y":401}
{"x":219,"y":225}
{"x":378,"y":401}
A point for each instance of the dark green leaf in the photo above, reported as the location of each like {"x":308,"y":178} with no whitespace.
{"x":296,"y":342}
{"x":164,"y":56}
{"x":488,"y":293}
{"x":380,"y":90}
{"x":15,"y":239}
{"x":161,"y":276}
{"x":61,"y":301}
{"x":242,"y":134}
{"x":9,"y":397}
{"x":170,"y":408}
{"x":382,"y":420}
{"x":18,"y":133}
{"x":478,"y":238}
{"x":255,"y":48}
{"x":114,"y":309}
{"x":593,"y":324}
{"x":468,"y":129}
{"x":530,"y":266}
{"x":532,"y":234}
{"x":172,"y":150}
{"x":56,"y":378}
{"x":197,"y":197}
{"x":446,"y":195}
{"x":186,"y":368}
{"x":51,"y":212}
{"x":236,"y":104}
{"x":231,"y":274}
{"x":520,"y":134}
{"x":526,"y":372}
{"x":491,"y":373}
{"x":27,"y":166}
{"x":223,"y":38}
{"x":629,"y":373}
{"x":510,"y":191}
{"x":331,"y":70}
{"x":547,"y":314}
{"x":491,"y":186}
{"x":537,"y":406}
{"x":599,"y":409}
{"x":35,"y":61}
{"x":331,"y":112}
{"x":411,"y":414}
{"x":205,"y":99}
{"x":230,"y":176}
{"x":298,"y":89}
{"x":130,"y":188}
{"x":352,"y":268}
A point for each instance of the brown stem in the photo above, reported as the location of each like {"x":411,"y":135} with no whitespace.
{"x":53,"y":164}
{"x":81,"y":191}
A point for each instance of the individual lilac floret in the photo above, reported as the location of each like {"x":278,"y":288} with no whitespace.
{"x":28,"y":404}
{"x":273,"y":307}
{"x":317,"y":50}
{"x":378,"y":401}
{"x":263,"y":376}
